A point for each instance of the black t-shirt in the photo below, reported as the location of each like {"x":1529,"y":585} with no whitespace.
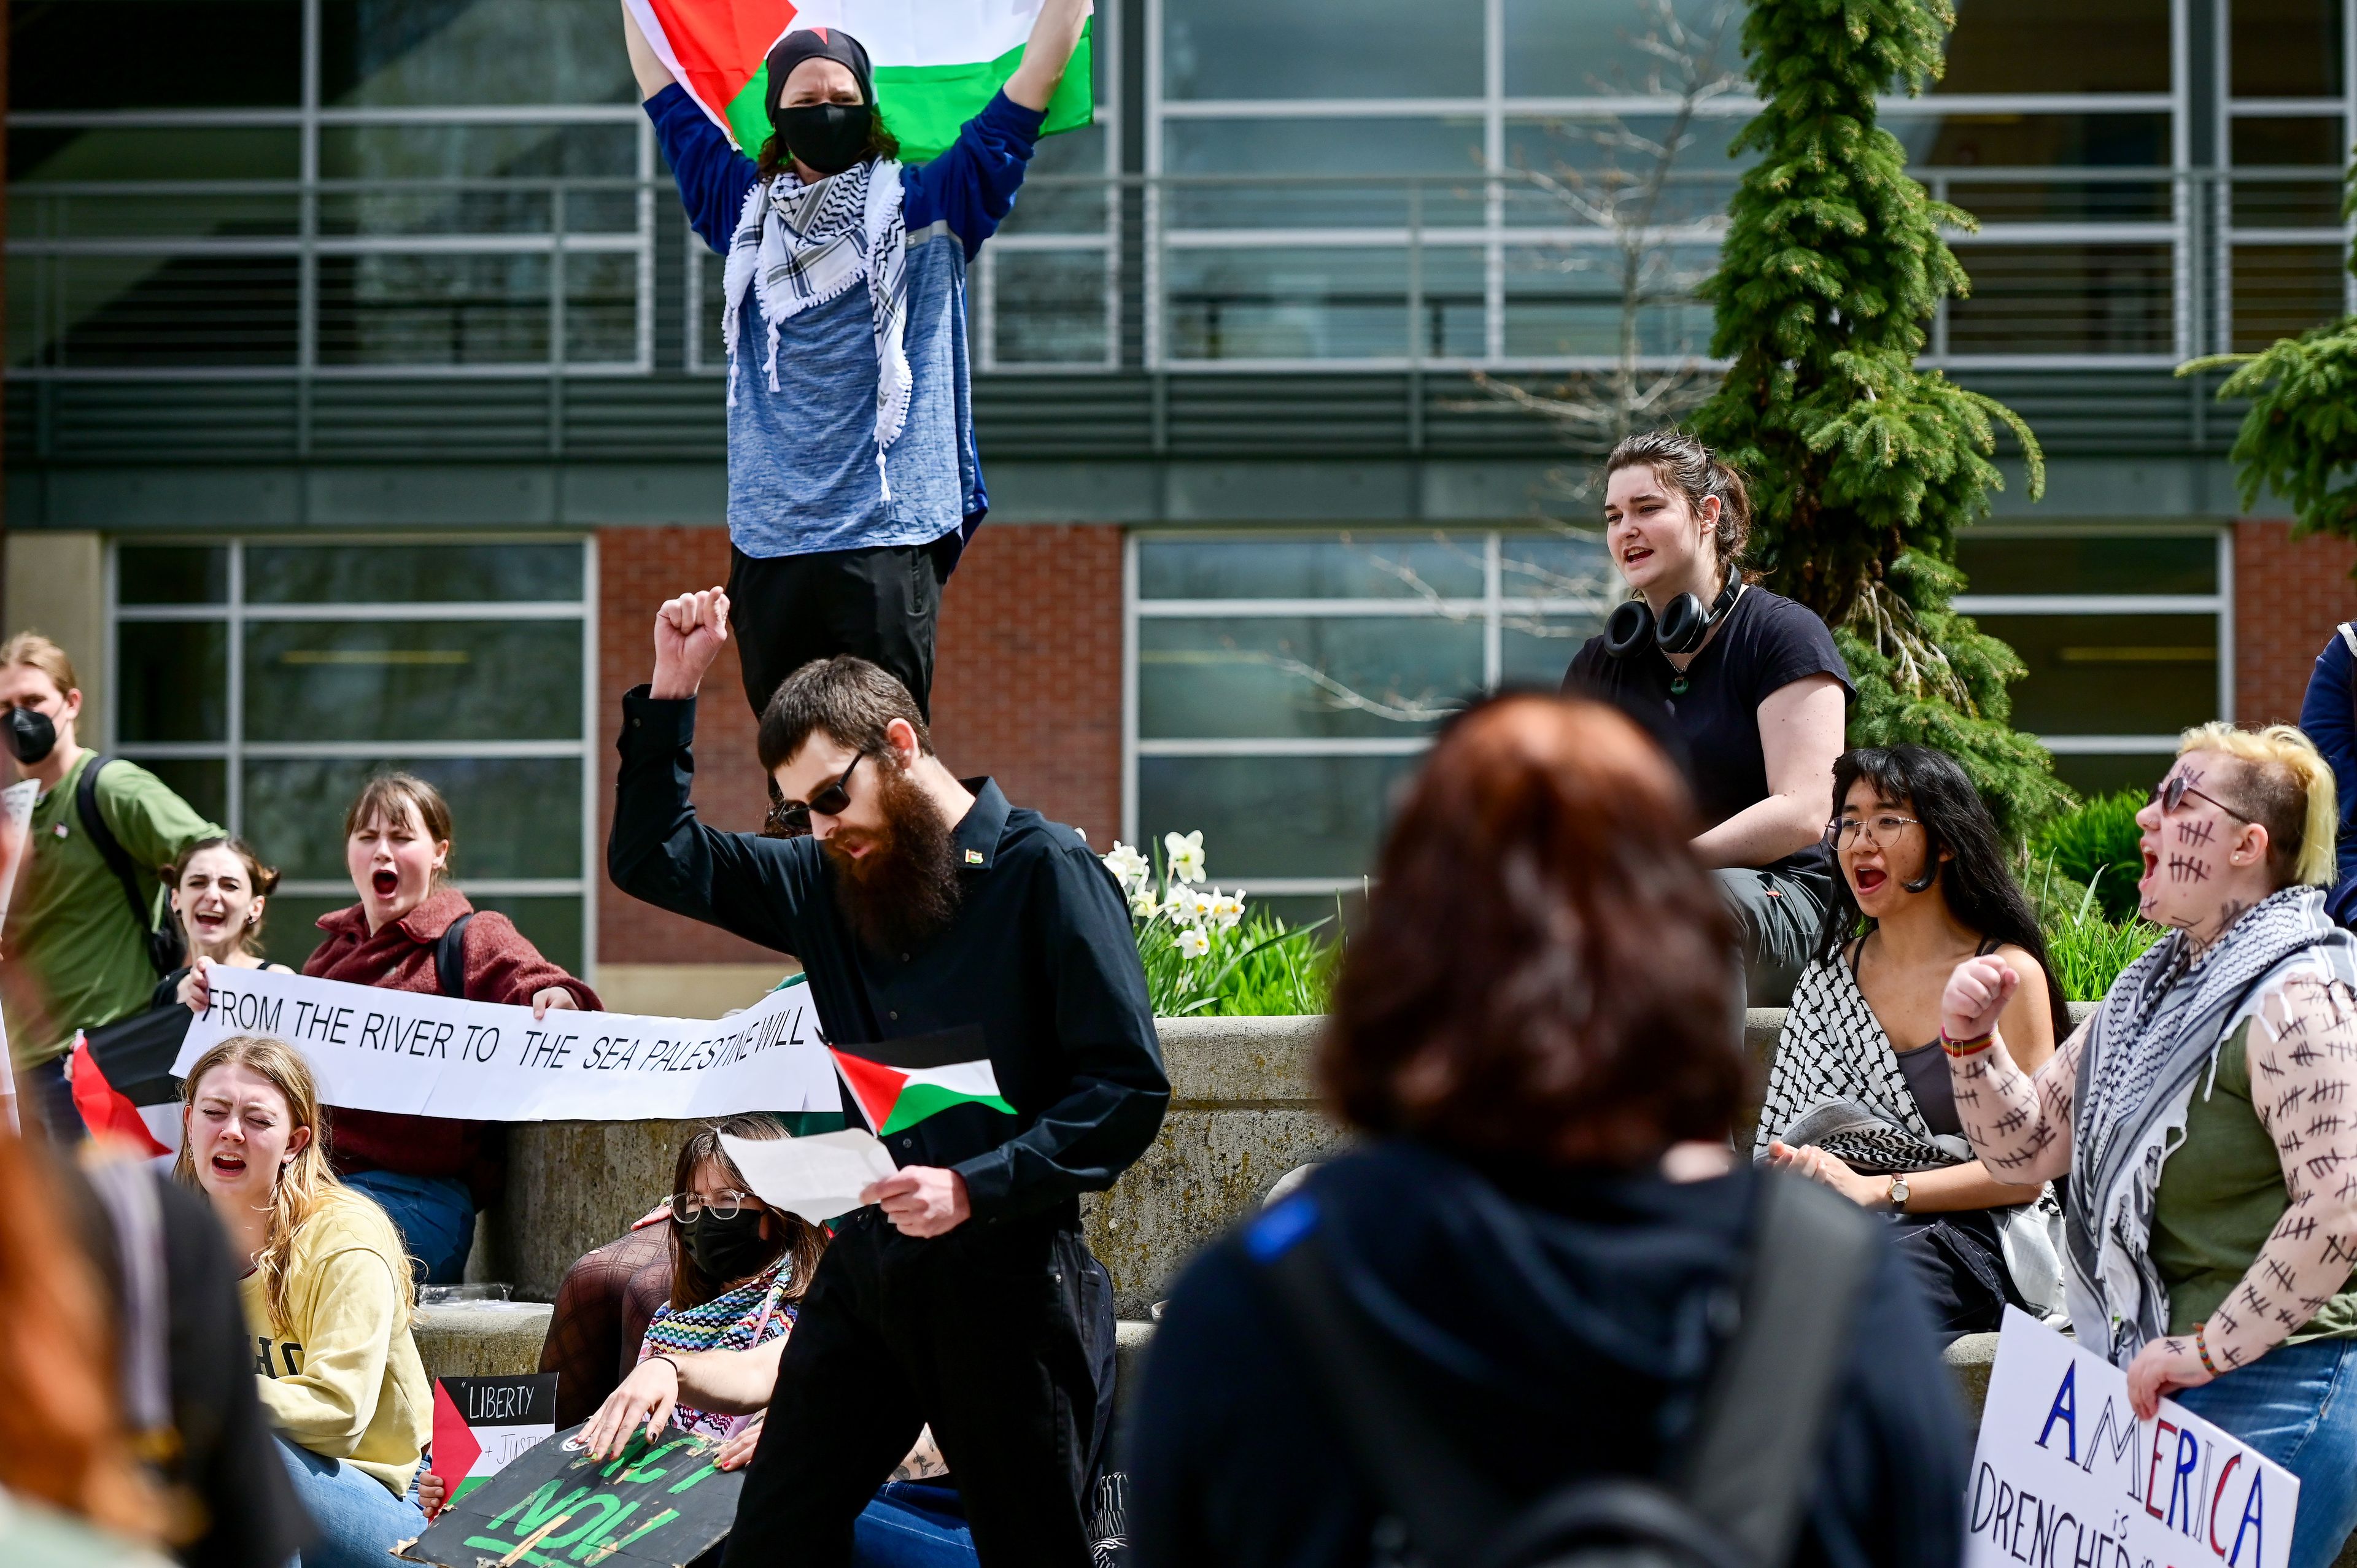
{"x":1712,"y":728}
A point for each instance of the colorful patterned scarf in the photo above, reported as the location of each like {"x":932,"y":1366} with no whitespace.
{"x":744,"y":1318}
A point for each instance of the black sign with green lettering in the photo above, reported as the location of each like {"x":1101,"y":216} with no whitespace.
{"x":659,"y":1505}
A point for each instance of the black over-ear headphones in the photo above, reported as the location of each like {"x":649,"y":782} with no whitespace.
{"x":1682,"y":626}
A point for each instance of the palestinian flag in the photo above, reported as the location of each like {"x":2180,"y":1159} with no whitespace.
{"x":899,"y":1083}
{"x":122,"y":1082}
{"x":937,"y":61}
{"x":481,"y":1423}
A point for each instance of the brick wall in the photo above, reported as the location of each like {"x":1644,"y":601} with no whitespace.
{"x":1027,"y":688}
{"x":2289,"y":596}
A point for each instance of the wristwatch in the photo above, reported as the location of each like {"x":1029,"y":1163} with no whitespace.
{"x":1899,"y":1194}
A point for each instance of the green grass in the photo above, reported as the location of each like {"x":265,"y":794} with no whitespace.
{"x":2085,"y":949}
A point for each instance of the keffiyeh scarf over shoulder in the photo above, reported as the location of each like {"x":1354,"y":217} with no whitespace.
{"x":741,"y":1319}
{"x":2151,"y":1046}
{"x":802,"y":245}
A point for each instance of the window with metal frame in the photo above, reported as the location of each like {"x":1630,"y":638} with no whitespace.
{"x":2126,"y":630}
{"x":1281,"y":683}
{"x":266,"y":678}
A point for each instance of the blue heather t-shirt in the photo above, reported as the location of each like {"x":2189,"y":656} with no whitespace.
{"x":802,"y":459}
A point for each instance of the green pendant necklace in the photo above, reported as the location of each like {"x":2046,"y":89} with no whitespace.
{"x":1678,"y":685}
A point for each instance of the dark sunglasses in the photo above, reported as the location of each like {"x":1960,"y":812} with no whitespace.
{"x":2171,"y":794}
{"x":791,"y":819}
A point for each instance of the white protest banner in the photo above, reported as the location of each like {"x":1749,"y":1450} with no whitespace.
{"x":425,"y":1055}
{"x":2065,"y":1476}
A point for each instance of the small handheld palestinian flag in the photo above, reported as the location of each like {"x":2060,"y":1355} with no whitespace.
{"x":937,"y":61}
{"x":899,"y":1083}
{"x":480,"y":1423}
{"x":122,"y":1082}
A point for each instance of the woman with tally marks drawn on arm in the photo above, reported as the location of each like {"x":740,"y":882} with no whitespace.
{"x":2207,"y":1119}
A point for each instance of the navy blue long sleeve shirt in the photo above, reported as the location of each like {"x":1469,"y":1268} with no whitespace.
{"x":1039,"y":959}
{"x":2328,"y":716}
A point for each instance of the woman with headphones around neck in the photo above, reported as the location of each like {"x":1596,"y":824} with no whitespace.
{"x":1743,"y":685}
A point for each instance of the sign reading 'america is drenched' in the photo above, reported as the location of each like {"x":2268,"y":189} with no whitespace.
{"x":937,"y":61}
{"x":2066,"y":1476}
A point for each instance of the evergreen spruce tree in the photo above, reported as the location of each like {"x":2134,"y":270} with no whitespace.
{"x":2299,"y":437}
{"x":1863,"y":466}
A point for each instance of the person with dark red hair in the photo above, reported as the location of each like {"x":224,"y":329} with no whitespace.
{"x":1543,"y":1249}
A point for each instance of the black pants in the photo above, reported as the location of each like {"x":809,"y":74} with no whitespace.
{"x":881,"y":604}
{"x":987,"y":1334}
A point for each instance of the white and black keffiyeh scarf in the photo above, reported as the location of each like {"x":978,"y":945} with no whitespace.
{"x":800,"y":245}
{"x":1837,"y":1084}
{"x":2151,"y":1044}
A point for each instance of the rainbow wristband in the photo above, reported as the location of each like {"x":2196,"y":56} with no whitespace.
{"x":2202,"y":1348}
{"x":1965,"y":1048}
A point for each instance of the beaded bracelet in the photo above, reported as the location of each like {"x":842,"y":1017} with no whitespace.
{"x":2202,"y":1348}
{"x":1965,"y":1047}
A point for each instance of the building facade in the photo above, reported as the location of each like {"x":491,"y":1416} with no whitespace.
{"x":364,"y":398}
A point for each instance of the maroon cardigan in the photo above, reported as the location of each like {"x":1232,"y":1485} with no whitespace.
{"x":501,"y":966}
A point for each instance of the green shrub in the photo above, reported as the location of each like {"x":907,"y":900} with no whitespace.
{"x":2095,"y":846}
{"x":2088,"y":955}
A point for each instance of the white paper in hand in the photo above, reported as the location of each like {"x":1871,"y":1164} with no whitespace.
{"x":817,"y":1178}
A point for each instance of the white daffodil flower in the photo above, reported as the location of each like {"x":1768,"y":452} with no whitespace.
{"x":1186,"y":854}
{"x":1128,"y":867}
{"x":1143,"y":904}
{"x":1194,"y":942}
{"x":1227,"y":909}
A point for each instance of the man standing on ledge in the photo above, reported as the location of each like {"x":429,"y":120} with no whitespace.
{"x":935,"y":921}
{"x":854,"y":480}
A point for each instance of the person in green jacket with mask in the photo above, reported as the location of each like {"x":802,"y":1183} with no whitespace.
{"x":77,"y":955}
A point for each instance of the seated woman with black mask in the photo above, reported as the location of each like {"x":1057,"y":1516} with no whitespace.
{"x":1744,"y":686}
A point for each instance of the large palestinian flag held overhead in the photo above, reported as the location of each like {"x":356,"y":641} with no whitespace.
{"x":937,"y":61}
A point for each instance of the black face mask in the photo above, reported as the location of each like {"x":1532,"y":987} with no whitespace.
{"x":31,"y":735}
{"x":730,"y":1249}
{"x":829,"y":137}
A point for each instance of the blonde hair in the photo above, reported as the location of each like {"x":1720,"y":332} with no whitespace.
{"x":2289,"y":791}
{"x":307,"y":1185}
{"x":35,"y":652}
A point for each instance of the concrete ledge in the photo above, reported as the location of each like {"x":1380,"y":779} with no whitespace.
{"x":482,"y":1339}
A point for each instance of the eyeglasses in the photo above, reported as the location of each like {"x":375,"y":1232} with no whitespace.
{"x":2171,"y":793}
{"x":791,"y":819}
{"x":1878,"y":829}
{"x":726,"y":1204}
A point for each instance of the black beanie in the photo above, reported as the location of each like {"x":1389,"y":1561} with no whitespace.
{"x":818,"y":43}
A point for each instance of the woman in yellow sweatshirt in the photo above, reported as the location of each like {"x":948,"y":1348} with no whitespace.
{"x":327,"y":1296}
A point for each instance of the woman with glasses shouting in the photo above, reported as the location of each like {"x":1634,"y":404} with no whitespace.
{"x":2207,"y":1118}
{"x":1859,"y":1098}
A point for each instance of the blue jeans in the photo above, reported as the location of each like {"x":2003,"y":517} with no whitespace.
{"x":2297,"y":1405}
{"x":912,"y":1525}
{"x":436,"y":1217}
{"x":354,"y":1520}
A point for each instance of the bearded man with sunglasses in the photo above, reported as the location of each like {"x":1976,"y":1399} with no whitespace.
{"x":937,"y":924}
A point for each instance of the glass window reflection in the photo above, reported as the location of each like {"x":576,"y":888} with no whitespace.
{"x":394,"y":681}
{"x":1303,"y":676}
{"x":1322,"y":48}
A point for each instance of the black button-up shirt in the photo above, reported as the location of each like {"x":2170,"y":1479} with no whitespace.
{"x":1039,"y":957}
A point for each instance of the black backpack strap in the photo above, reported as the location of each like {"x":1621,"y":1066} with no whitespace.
{"x":1748,"y":1460}
{"x":110,"y":848}
{"x":1758,"y":1437}
{"x":450,"y":956}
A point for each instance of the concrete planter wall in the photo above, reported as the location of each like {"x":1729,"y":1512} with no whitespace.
{"x":1243,"y":1111}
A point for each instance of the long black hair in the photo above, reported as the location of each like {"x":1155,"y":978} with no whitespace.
{"x":1979,"y":890}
